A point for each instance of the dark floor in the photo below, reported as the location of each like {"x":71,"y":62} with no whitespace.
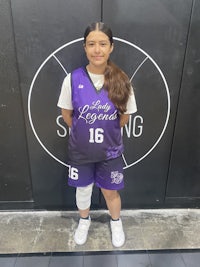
{"x":175,"y":258}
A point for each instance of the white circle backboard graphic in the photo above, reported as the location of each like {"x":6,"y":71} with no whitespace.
{"x":145,"y":128}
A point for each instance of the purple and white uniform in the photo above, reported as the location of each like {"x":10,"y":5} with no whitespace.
{"x":95,"y":133}
{"x":95,"y":141}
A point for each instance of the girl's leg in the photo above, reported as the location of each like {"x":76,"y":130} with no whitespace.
{"x":113,"y":202}
{"x":84,"y":213}
{"x":83,"y":201}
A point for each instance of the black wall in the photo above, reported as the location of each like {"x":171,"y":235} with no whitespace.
{"x":157,"y":42}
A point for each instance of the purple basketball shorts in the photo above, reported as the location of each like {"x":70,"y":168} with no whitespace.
{"x":106,"y":174}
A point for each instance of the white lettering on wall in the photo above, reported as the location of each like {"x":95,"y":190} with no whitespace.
{"x":134,"y":128}
{"x":62,"y":132}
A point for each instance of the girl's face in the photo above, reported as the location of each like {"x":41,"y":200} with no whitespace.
{"x":98,"y":49}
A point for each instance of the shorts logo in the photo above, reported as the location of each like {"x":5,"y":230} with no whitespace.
{"x":117,"y":177}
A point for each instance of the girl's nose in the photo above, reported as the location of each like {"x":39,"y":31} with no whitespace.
{"x":97,"y":48}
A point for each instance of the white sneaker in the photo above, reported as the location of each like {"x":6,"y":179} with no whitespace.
{"x":118,"y":237}
{"x":81,"y":233}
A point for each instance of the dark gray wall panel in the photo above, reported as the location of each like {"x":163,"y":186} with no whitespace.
{"x":184,"y":184}
{"x":41,"y":27}
{"x":15,"y":184}
{"x":160,"y":28}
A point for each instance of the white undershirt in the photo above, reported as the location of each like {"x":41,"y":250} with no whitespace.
{"x":65,"y":98}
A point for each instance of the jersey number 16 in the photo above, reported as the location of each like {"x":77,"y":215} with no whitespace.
{"x":96,"y":135}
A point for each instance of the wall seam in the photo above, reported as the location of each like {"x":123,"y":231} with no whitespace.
{"x":179,"y":94}
{"x":21,"y":99}
{"x":102,"y":10}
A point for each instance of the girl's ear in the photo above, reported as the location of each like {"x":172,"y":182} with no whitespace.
{"x":84,"y":46}
{"x":111,"y":48}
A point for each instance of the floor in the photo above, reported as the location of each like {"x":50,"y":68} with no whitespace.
{"x":133,"y":259}
{"x":168,"y":237}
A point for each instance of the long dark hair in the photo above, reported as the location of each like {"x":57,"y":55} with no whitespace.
{"x":116,"y":82}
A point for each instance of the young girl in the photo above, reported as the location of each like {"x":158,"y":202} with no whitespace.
{"x":96,"y":101}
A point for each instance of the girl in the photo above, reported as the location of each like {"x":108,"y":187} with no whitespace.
{"x":96,"y":101}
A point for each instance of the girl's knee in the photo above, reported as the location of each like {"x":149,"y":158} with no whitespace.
{"x":110,"y":194}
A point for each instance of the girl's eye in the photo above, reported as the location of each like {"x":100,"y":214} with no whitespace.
{"x":90,"y":44}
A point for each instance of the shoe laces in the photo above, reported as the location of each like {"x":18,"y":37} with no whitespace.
{"x":117,"y":227}
{"x":83,"y":225}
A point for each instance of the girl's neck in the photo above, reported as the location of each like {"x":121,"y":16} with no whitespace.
{"x":95,"y":70}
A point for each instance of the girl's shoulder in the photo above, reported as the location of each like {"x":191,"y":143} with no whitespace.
{"x":79,"y":70}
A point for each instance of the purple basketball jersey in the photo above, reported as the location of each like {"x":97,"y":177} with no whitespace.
{"x":95,"y":134}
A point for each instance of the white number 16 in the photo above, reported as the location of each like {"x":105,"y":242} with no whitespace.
{"x":96,"y":135}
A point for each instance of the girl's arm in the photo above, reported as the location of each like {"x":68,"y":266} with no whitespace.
{"x":67,"y":116}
